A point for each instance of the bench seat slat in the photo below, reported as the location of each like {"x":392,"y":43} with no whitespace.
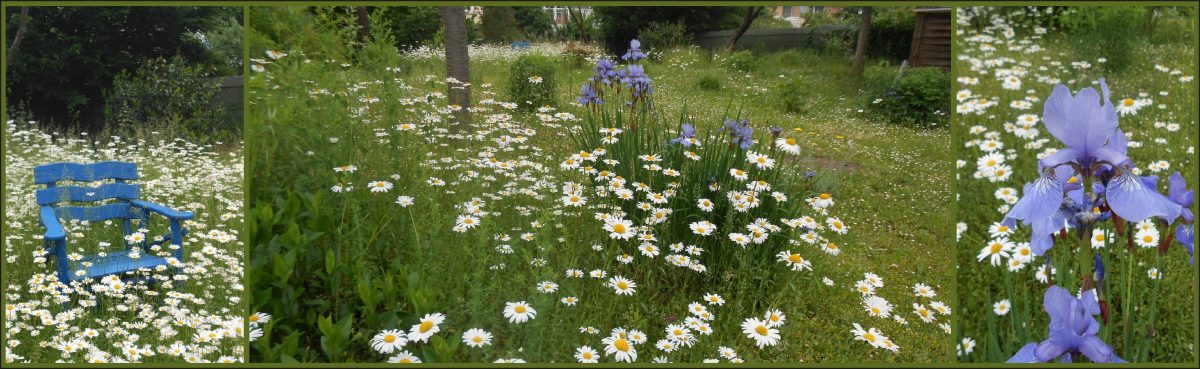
{"x":95,"y":213}
{"x":54,"y":195}
{"x":117,"y":263}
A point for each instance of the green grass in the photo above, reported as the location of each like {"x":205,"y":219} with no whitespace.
{"x":1131,"y":294}
{"x":333,"y":269}
{"x":44,"y":325}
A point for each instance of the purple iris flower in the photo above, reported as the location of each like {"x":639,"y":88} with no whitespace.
{"x":1096,"y":148}
{"x":1072,"y":331}
{"x":635,"y":78}
{"x":740,"y":132}
{"x":604,"y":72}
{"x":635,"y":51}
{"x":1185,"y":232}
{"x":1085,"y":126}
{"x":688,"y":132}
{"x":588,"y":96}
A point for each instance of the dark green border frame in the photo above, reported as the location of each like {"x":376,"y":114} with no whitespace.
{"x":247,"y":5}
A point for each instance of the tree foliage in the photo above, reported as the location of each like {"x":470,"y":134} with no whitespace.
{"x":499,"y":24}
{"x":72,"y":54}
{"x":534,"y":21}
{"x":619,"y":24}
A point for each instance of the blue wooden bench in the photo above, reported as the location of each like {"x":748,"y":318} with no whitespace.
{"x":520,"y":45}
{"x":60,"y":202}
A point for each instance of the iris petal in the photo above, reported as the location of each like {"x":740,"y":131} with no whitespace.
{"x":1132,"y":200}
{"x":1042,"y":199}
{"x":1055,"y":113}
{"x":1049,"y":349}
{"x":1026,"y":354}
{"x":1095,"y":349}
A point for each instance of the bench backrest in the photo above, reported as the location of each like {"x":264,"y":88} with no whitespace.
{"x":54,"y":193}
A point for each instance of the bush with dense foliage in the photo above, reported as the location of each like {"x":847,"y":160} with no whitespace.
{"x":663,"y":36}
{"x":169,"y":94}
{"x":531,"y":82}
{"x":911,"y":96}
{"x":793,"y":94}
{"x":741,"y":61}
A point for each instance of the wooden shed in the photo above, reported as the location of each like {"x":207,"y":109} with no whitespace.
{"x":931,"y":38}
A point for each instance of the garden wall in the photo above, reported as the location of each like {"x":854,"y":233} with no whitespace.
{"x":772,"y":39}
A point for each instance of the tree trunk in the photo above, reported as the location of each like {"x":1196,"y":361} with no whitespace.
{"x":454,"y":19}
{"x":12,"y":50}
{"x":364,"y":24}
{"x":860,"y":51}
{"x":751,"y":13}
{"x":578,"y":19}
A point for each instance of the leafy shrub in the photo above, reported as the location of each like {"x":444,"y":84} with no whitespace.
{"x":663,"y":36}
{"x":793,"y":94}
{"x":522,"y":85}
{"x":741,"y":61}
{"x":709,"y":82}
{"x":920,"y":97}
{"x":173,"y":95}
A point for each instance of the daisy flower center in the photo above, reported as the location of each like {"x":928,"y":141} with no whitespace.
{"x":426,"y":326}
{"x":519,"y":309}
{"x":621,"y":344}
{"x":761,"y":330}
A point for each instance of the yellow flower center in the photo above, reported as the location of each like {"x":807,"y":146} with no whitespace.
{"x":477,"y":339}
{"x":996,"y":247}
{"x":621,"y":344}
{"x":622,"y":285}
{"x":795,"y":258}
{"x":870,"y":337}
{"x":426,"y":326}
{"x":389,"y":338}
{"x":1002,"y":228}
{"x":1127,"y":102}
{"x":405,"y":361}
{"x":761,"y":330}
{"x":586,"y":356}
{"x":824,"y":196}
{"x":1147,"y":239}
{"x":519,"y":309}
{"x":832,"y":246}
{"x":618,"y":228}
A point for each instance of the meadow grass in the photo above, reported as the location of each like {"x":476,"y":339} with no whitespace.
{"x":194,"y":316}
{"x":333,"y":267}
{"x":1158,"y":76}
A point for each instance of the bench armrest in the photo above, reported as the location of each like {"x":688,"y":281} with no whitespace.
{"x":54,"y":229}
{"x":163,"y":210}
